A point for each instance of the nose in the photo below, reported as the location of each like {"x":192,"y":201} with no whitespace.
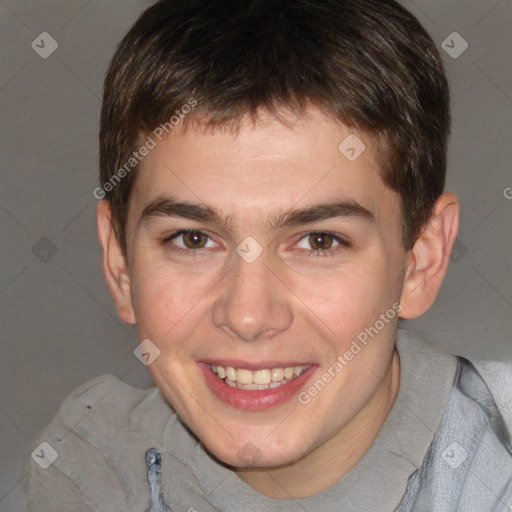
{"x":253,"y":303}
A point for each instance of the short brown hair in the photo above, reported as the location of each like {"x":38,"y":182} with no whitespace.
{"x":367,"y":63}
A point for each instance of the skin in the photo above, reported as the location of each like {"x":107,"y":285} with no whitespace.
{"x":291,"y":303}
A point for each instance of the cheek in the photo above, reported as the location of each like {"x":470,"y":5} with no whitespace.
{"x":348,"y":299}
{"x":165,"y":300}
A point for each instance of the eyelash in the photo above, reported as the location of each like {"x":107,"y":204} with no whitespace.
{"x":343,"y":244}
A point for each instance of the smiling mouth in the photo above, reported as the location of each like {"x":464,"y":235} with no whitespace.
{"x":270,"y":378}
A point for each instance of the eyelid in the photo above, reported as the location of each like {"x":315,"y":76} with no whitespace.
{"x":180,"y":232}
{"x":301,"y":235}
{"x":335,"y":236}
{"x":343,"y":245}
{"x":342,"y":242}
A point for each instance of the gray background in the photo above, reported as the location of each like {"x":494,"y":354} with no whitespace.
{"x":59,"y":325}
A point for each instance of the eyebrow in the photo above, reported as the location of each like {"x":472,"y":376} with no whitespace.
{"x":171,"y":207}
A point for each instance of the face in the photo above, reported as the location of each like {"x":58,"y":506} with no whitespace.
{"x":255,"y":252}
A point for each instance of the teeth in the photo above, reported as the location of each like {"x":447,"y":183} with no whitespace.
{"x":244,"y":376}
{"x":230,"y":373}
{"x":259,"y":379}
{"x":277,"y":374}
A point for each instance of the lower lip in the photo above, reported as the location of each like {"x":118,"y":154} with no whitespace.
{"x":258,"y":399}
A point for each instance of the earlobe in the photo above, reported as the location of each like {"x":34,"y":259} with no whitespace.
{"x":428,"y":260}
{"x":114,"y":264}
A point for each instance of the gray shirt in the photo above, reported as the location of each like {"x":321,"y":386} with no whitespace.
{"x":444,"y":447}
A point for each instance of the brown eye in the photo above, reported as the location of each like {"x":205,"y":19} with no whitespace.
{"x":194,"y":239}
{"x":190,"y":242}
{"x":321,"y":241}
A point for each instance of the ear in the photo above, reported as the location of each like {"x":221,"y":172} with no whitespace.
{"x":427,"y":261}
{"x":115,"y":266}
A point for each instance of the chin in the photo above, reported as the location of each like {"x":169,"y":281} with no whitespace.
{"x":255,"y":454}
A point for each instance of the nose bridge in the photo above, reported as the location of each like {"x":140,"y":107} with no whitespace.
{"x":251,"y":302}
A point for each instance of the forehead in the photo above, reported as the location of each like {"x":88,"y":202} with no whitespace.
{"x":264,"y":167}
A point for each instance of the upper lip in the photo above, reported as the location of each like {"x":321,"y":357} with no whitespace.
{"x":261,"y":365}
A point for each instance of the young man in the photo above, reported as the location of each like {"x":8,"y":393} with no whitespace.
{"x":272,"y":177}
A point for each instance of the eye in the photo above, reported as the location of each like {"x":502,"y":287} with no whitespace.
{"x":320,"y":241}
{"x":190,"y":239}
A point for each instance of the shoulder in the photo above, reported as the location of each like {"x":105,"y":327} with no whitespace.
{"x":100,"y":401}
{"x":469,"y":464}
{"x":93,"y":432}
{"x":98,"y":408}
{"x":472,"y":449}
{"x":103,"y":394}
{"x":477,"y":405}
{"x":498,"y":378}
